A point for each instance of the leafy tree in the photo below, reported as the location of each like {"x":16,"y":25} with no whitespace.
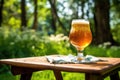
{"x":11,"y":12}
{"x":54,"y":16}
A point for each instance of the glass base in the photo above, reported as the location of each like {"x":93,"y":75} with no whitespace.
{"x":80,"y":56}
{"x":80,"y":53}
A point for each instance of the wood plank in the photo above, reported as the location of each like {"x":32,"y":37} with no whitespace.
{"x":115,"y":76}
{"x":89,"y":76}
{"x":26,"y":76}
{"x":102,"y":67}
{"x":93,"y":71}
{"x":21,"y":70}
{"x":58,"y":75}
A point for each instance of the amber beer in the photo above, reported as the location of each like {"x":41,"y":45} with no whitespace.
{"x":80,"y":34}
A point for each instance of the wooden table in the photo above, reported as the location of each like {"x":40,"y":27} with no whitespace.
{"x":93,"y":71}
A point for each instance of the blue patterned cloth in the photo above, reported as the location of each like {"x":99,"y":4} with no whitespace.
{"x":71,"y":59}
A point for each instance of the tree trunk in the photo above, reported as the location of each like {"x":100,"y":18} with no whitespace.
{"x":88,"y":3}
{"x":77,"y":11}
{"x":56,"y":15}
{"x":1,"y":9}
{"x":23,"y":14}
{"x":82,"y":8}
{"x":102,"y":26}
{"x":53,"y":16}
{"x":35,"y":23}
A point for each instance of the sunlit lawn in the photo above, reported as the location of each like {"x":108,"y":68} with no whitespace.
{"x":46,"y":75}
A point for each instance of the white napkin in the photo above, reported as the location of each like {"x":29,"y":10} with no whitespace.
{"x":71,"y":59}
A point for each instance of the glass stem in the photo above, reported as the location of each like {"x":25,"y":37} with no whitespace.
{"x":80,"y":53}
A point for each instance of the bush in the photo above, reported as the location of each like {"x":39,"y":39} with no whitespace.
{"x":104,"y":50}
{"x":14,"y":43}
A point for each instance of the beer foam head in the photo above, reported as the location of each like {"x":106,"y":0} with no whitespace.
{"x":80,"y":21}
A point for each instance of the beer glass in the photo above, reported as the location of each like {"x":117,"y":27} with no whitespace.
{"x":80,"y":35}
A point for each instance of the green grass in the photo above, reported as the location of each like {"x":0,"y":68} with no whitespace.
{"x":47,"y":75}
{"x":8,"y":76}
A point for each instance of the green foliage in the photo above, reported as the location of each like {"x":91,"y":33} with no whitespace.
{"x":11,"y":14}
{"x":96,"y":51}
{"x":43,"y":75}
{"x":103,"y":50}
{"x":14,"y":43}
{"x":66,"y":11}
{"x":116,"y":32}
{"x":114,"y":51}
{"x":8,"y":75}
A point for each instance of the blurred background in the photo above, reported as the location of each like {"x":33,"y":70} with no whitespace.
{"x":41,"y":27}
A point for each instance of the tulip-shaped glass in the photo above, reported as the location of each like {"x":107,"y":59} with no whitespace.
{"x":80,"y":35}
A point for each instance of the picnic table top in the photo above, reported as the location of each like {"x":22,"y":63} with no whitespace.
{"x":40,"y":62}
